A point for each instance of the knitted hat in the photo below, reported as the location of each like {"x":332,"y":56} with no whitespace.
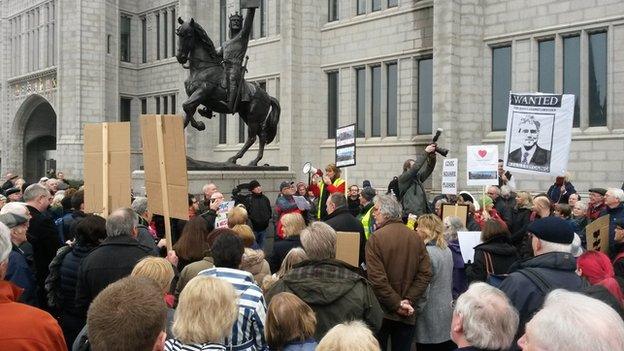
{"x":486,"y":200}
{"x":12,"y":220}
{"x":253,"y":184}
{"x":552,"y":229}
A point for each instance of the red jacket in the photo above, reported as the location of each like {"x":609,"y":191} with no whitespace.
{"x":25,"y":328}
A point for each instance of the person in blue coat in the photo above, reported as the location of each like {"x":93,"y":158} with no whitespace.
{"x":18,"y":271}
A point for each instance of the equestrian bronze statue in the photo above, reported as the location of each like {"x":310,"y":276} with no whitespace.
{"x":216,"y":81}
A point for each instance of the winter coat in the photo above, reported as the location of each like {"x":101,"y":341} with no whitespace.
{"x":280,"y":249}
{"x":433,"y":323}
{"x":112,"y":260}
{"x":505,"y":208}
{"x":284,"y":205}
{"x":557,"y":196}
{"x":19,"y":273}
{"x":308,"y":345}
{"x":398,"y":267}
{"x":411,"y":190}
{"x":260,"y":212}
{"x":24,"y":327}
{"x":501,"y":251}
{"x":341,"y":220}
{"x":146,"y":239}
{"x":558,"y":269}
{"x":254,"y":263}
{"x":353,"y":205}
{"x":190,"y":271}
{"x":614,"y":214}
{"x":459,"y":270}
{"x":45,"y":241}
{"x":335,"y":292}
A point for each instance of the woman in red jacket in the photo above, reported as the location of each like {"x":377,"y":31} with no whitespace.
{"x":331,"y":183}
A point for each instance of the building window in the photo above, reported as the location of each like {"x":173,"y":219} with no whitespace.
{"x":425,"y":96}
{"x":143,"y":40}
{"x":165,"y":105}
{"x":222,"y":128}
{"x":124,"y":109}
{"x":223,"y":21}
{"x":278,"y":16}
{"x":173,"y":35}
{"x":572,"y":72}
{"x":157,"y":36}
{"x":376,"y":101}
{"x":391,"y":99}
{"x":501,"y":85}
{"x":546,"y":66}
{"x":124,"y":44}
{"x":393,"y":3}
{"x":361,"y":7}
{"x":360,"y":101}
{"x":144,"y":106}
{"x":376,"y":5}
{"x":597,"y":79}
{"x":260,"y":23}
{"x":109,"y":43}
{"x":172,"y":97}
{"x":333,"y":10}
{"x":157,"y":100}
{"x":332,"y":104}
{"x":165,"y":31}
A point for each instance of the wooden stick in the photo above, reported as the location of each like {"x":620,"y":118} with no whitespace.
{"x":105,"y":171}
{"x":163,"y":180}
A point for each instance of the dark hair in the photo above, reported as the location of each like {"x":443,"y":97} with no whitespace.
{"x":193,"y":244}
{"x":90,"y":230}
{"x":492,"y":228}
{"x":66,"y":202}
{"x":191,"y":197}
{"x":77,"y":199}
{"x":227,"y":251}
{"x":216,"y":233}
{"x":564,"y":209}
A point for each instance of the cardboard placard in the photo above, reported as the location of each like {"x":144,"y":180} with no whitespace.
{"x":597,"y":234}
{"x":460,"y":211}
{"x":348,"y":247}
{"x":106,"y":152}
{"x":171,"y":157}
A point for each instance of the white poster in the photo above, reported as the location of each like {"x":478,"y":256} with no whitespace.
{"x":482,"y":165}
{"x":449,"y":176}
{"x":539,"y":133}
{"x":467,"y":242}
{"x":345,"y":146}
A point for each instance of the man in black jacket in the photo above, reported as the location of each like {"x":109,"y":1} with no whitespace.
{"x":112,"y":260}
{"x":341,"y":220}
{"x":41,"y":234}
{"x":260,"y":212}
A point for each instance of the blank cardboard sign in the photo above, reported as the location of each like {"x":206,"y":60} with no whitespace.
{"x":348,"y":247}
{"x":106,"y":166}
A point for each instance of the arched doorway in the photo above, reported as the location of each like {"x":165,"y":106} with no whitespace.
{"x":35,"y":130}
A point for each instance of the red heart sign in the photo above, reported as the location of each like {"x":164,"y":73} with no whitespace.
{"x":482,"y":153}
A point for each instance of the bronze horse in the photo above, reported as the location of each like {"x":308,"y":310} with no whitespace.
{"x":203,"y":87}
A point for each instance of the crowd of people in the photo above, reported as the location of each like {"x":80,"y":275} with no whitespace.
{"x":71,"y":280}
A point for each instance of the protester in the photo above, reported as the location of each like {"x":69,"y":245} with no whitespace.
{"x":573,"y":322}
{"x":520,"y":221}
{"x":292,"y":225}
{"x":486,"y":212}
{"x":579,"y":216}
{"x":205,"y":315}
{"x":147,"y":234}
{"x":285,"y":203}
{"x":293,"y":257}
{"x":505,"y":177}
{"x":311,"y":200}
{"x":290,"y":324}
{"x":207,"y":190}
{"x":560,"y":192}
{"x":75,"y":215}
{"x":253,"y":259}
{"x":596,"y":203}
{"x":353,"y":200}
{"x":260,"y":212}
{"x":128,"y":315}
{"x":453,"y":224}
{"x":366,"y":213}
{"x":483,"y":319}
{"x":348,"y":336}
{"x":552,"y":267}
{"x":615,"y":209}
{"x":596,"y":267}
{"x":330,"y":183}
{"x":399,"y":270}
{"x":192,"y":245}
{"x":495,"y":254}
{"x":437,"y":206}
{"x":237,"y":215}
{"x":618,"y":261}
{"x":346,"y":294}
{"x":18,"y":270}
{"x":412,"y":193}
{"x":504,"y":202}
{"x":341,"y":220}
{"x":573,"y":199}
{"x":247,"y":333}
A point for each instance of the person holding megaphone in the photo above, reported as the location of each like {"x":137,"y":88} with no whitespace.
{"x":330,"y":183}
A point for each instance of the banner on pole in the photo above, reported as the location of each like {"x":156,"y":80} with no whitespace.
{"x":345,"y":146}
{"x":482,"y":165}
{"x":539,"y":133}
{"x":449,"y":176}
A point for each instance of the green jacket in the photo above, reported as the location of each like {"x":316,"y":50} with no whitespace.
{"x":411,"y":189}
{"x":334,"y":290}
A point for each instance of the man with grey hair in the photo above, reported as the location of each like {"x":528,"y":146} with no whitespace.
{"x":615,"y":209}
{"x":145,"y":236}
{"x":552,"y":267}
{"x":346,"y":295}
{"x":208,"y":189}
{"x":112,"y":260}
{"x":340,"y":218}
{"x":42,"y":235}
{"x":399,"y":269}
{"x":574,"y":322}
{"x":483,"y":319}
{"x":23,"y":327}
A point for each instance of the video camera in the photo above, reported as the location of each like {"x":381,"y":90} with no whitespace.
{"x":442,"y":151}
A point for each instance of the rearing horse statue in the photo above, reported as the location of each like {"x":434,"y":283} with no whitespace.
{"x":258,"y":110}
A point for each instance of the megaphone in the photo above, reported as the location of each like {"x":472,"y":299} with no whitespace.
{"x":308,"y":168}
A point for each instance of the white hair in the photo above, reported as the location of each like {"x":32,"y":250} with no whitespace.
{"x":619,"y":193}
{"x":121,"y":222}
{"x":575,"y":322}
{"x":18,"y":208}
{"x":582,"y":205}
{"x":505,"y":191}
{"x":548,"y":247}
{"x":389,"y":207}
{"x":139,"y":205}
{"x":5,"y":243}
{"x":34,"y":191}
{"x":489,"y":321}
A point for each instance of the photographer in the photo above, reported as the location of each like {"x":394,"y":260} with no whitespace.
{"x":411,"y":190}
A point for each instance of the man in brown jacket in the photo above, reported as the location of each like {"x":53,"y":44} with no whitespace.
{"x":399,"y":270}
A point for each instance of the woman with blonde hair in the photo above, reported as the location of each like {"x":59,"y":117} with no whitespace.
{"x":433,"y":323}
{"x":293,"y":257}
{"x":253,"y":260}
{"x":349,"y":336}
{"x":237,"y":215}
{"x":292,"y":225}
{"x":290,"y":324}
{"x":205,"y":315}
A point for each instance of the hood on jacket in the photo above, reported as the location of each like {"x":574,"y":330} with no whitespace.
{"x":498,"y":245}
{"x":322,"y":282}
{"x":252,"y":260}
{"x":562,"y":261}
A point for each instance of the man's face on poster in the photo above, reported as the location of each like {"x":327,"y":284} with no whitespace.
{"x":530,"y":134}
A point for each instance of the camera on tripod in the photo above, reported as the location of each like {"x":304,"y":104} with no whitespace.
{"x":442,"y":151}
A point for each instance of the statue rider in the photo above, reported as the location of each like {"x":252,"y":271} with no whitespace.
{"x":233,"y":51}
